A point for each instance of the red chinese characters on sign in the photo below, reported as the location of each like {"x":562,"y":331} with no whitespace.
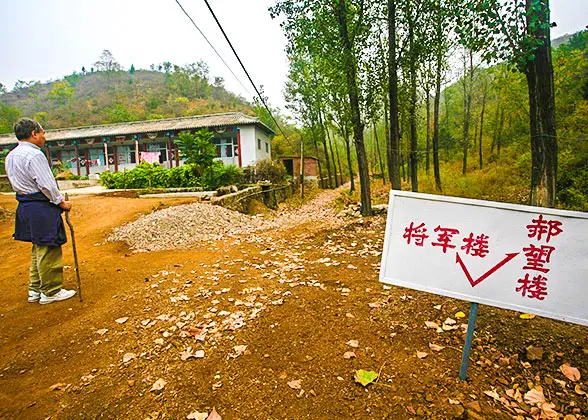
{"x":476,"y":246}
{"x":538,"y":257}
{"x":444,"y":237}
{"x":418,"y":233}
{"x":535,"y":288}
{"x":540,"y":227}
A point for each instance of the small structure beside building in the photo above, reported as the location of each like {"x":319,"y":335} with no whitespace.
{"x":292,"y":165}
{"x":240,"y":140}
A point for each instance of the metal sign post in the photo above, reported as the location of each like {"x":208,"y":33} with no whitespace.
{"x":467,"y":347}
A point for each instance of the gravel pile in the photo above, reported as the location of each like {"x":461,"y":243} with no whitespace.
{"x":182,"y":226}
{"x":190,"y":224}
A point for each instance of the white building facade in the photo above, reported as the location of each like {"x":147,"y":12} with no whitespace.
{"x":240,"y":140}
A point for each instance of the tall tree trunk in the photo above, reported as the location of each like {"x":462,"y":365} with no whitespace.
{"x":386,"y":130}
{"x":341,"y":180}
{"x":351,"y":78}
{"x":349,"y":163}
{"x":318,"y":160}
{"x":438,"y":69}
{"x":539,"y":75}
{"x":333,"y":158}
{"x":467,"y":101}
{"x":412,"y":105}
{"x":393,"y":143}
{"x":379,"y":154}
{"x":484,"y":95}
{"x":428,"y":152}
{"x":499,"y":132}
{"x":324,"y":142}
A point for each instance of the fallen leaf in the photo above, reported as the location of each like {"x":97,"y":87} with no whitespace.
{"x":432,"y":325}
{"x":59,"y":387}
{"x":128,"y":357}
{"x":438,"y":307}
{"x":121,"y":320}
{"x":195,"y":415}
{"x":102,"y":331}
{"x":492,"y":394}
{"x":186,"y":354}
{"x":239,"y":350}
{"x":199,"y":354}
{"x":159,"y":341}
{"x":572,"y":373}
{"x":365,"y":377}
{"x":214,"y":415}
{"x":349,"y":355}
{"x":158,"y":385}
{"x":353,"y":343}
{"x":295,"y":384}
{"x":534,"y":397}
{"x":527,"y":316}
{"x":548,"y":412}
{"x":460,"y":314}
{"x":435,"y":347}
{"x":450,"y":321}
{"x":534,"y":353}
{"x":454,"y":402}
{"x":421,"y":354}
{"x":411,"y":410}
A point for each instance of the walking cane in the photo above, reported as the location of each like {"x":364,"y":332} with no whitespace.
{"x":73,"y":245}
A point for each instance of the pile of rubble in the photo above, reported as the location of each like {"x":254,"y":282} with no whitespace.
{"x":182,"y":226}
{"x":191,"y":224}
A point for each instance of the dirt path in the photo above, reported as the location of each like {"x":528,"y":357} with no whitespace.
{"x":257,"y":326}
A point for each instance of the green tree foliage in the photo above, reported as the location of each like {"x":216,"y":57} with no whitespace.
{"x":197,"y":148}
{"x":103,"y":97}
{"x":9,"y":115}
{"x":62,"y":92}
{"x":149,"y":176}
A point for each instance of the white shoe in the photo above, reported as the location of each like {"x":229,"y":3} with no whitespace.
{"x":63,"y":294}
{"x":34,"y":296}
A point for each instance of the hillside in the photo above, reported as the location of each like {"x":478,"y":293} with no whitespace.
{"x":103,"y":97}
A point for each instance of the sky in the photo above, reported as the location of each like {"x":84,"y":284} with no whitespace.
{"x":45,"y":40}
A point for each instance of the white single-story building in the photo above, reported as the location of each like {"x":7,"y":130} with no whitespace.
{"x":240,"y":140}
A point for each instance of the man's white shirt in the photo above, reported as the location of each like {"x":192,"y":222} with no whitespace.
{"x":28,"y":172}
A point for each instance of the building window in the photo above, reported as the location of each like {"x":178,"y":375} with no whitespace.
{"x":226,"y":147}
{"x":259,"y":144}
{"x":266,"y":147}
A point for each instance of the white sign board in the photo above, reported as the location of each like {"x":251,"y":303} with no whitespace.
{"x":527,"y":259}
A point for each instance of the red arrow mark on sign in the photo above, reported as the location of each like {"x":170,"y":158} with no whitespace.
{"x":487,"y":273}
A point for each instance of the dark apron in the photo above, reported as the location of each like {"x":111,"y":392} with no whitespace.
{"x":38,"y":221}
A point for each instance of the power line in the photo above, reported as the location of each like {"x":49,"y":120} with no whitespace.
{"x":245,"y":70}
{"x":211,"y":46}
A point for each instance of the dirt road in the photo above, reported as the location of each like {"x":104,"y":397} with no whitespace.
{"x":272,"y":324}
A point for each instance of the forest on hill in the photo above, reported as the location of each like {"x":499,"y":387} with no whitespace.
{"x":106,"y":94}
{"x":461,"y":97}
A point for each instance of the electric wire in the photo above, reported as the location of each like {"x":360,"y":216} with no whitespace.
{"x":211,"y":46}
{"x":245,"y":70}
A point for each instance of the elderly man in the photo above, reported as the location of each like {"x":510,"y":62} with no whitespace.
{"x":38,"y":216}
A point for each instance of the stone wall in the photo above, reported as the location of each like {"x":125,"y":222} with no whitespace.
{"x":270,"y":195}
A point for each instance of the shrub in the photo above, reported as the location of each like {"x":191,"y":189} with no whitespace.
{"x":183,"y":177}
{"x":219,"y":175}
{"x":267,"y":170}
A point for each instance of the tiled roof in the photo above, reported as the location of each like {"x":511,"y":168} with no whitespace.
{"x":151,"y":126}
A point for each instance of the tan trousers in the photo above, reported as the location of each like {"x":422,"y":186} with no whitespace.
{"x":46,"y":269}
